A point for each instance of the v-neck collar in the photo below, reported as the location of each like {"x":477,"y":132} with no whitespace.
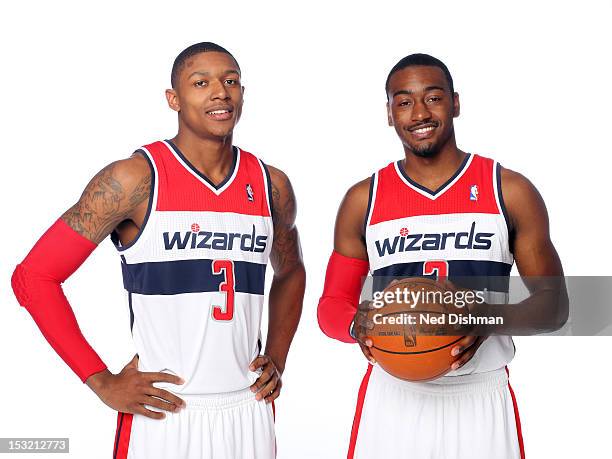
{"x":217,"y":189}
{"x":433,"y":195}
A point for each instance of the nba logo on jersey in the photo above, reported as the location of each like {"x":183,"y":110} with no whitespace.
{"x":474,"y":193}
{"x":249,"y":191}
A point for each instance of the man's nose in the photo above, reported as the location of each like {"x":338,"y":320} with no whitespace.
{"x":219,"y":91}
{"x":420,"y":112}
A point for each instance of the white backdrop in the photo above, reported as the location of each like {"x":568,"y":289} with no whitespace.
{"x":83,"y":85}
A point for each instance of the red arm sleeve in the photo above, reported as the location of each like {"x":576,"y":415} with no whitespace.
{"x":37,"y":286}
{"x":338,"y":305}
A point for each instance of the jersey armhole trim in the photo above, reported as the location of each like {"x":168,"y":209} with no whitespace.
{"x":371,"y":200}
{"x":150,"y":207}
{"x":499,"y":198}
{"x":268,"y":184}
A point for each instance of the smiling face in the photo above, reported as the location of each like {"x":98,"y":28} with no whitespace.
{"x":421,"y":107}
{"x":208,"y":95}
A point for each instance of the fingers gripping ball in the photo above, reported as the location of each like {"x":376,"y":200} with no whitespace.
{"x":410,"y":337}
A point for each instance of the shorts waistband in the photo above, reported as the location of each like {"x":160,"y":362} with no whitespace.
{"x":219,"y":401}
{"x":451,"y":385}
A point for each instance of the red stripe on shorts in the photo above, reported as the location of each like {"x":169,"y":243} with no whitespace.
{"x":360,"y":398}
{"x":517,"y":418}
{"x":122,"y":438}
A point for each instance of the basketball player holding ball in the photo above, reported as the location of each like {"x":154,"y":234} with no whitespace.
{"x":194,"y":220}
{"x":438,"y":211}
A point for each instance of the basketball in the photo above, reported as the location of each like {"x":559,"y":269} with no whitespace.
{"x":410,"y":338}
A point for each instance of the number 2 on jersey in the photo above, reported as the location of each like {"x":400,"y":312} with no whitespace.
{"x":225,"y":267}
{"x":438,"y":268}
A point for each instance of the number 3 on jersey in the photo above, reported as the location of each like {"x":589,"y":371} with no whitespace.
{"x":225,"y":267}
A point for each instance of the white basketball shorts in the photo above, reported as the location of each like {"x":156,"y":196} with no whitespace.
{"x":460,"y":417}
{"x":218,"y":426}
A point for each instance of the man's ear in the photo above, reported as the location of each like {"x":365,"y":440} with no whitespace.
{"x":239,"y":107}
{"x":456,"y":106}
{"x":389,"y":117}
{"x":173,"y":100}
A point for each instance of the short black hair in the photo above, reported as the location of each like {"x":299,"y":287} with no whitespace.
{"x":203,"y":47}
{"x":421,"y":59}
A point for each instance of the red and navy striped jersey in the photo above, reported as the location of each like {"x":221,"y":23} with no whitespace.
{"x":457,"y":231}
{"x":195,"y":273}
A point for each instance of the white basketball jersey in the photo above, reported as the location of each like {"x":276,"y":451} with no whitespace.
{"x":195,"y":273}
{"x":459,"y":230}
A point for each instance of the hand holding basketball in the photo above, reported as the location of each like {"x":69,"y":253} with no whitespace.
{"x":465,"y":350}
{"x":410,"y":332}
{"x":130,"y":390}
{"x":362,"y":326}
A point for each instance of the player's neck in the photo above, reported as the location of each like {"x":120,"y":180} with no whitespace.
{"x":212,"y":157}
{"x":432,"y":172}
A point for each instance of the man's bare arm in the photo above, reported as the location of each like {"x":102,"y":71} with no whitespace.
{"x":287,"y":290}
{"x":289,"y":282}
{"x":349,"y":237}
{"x":286,"y":255}
{"x":116,"y":194}
{"x":349,"y":241}
{"x":112,"y":196}
{"x":534,"y":252}
{"x":536,"y":257}
{"x":537,"y":261}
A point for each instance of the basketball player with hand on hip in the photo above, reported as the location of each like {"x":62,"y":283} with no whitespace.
{"x":440,"y":194}
{"x":194,"y":220}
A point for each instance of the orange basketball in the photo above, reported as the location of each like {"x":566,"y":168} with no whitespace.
{"x":413,"y":349}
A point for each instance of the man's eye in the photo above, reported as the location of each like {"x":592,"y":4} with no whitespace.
{"x":404,"y":103}
{"x":200,"y":83}
{"x":434,"y":99}
{"x":231,"y":81}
